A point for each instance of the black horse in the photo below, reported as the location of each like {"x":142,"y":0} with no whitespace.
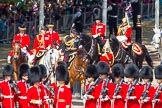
{"x":120,"y":55}
{"x":91,"y":46}
{"x":138,"y":53}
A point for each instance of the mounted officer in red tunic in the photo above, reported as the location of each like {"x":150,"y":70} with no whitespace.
{"x":24,"y":40}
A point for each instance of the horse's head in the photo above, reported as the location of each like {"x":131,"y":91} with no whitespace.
{"x":114,"y":43}
{"x":17,"y":50}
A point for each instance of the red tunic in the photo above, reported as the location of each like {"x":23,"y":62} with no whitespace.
{"x":136,"y":93}
{"x":99,"y":28}
{"x":46,"y":95}
{"x":41,"y":42}
{"x":34,"y":93}
{"x":8,"y":95}
{"x":105,"y":104}
{"x":54,"y":36}
{"x":150,"y":96}
{"x":127,"y":31}
{"x":107,"y":57}
{"x":92,"y":102}
{"x":120,"y":103}
{"x":158,"y":104}
{"x":63,"y":97}
{"x":22,"y":97}
{"x":24,"y":40}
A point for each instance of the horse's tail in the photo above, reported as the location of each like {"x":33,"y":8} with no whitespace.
{"x":148,"y":58}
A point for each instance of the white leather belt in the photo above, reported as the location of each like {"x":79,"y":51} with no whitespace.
{"x":23,"y":97}
{"x":4,"y":96}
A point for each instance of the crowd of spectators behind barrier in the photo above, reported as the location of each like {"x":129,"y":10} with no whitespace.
{"x":28,"y":10}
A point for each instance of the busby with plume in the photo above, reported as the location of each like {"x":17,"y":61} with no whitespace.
{"x":8,"y":70}
{"x":131,"y":71}
{"x":91,"y":71}
{"x":118,"y":70}
{"x":103,"y":68}
{"x":23,"y":70}
{"x":146,"y":72}
{"x":158,"y":72}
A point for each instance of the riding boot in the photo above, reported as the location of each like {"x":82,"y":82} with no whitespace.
{"x":101,"y":43}
{"x":9,"y":59}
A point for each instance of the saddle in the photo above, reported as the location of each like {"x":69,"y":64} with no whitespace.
{"x":137,"y":49}
{"x":41,"y":53}
{"x":71,"y":58}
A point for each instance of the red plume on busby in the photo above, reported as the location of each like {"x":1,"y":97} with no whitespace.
{"x":34,"y":75}
{"x":91,"y":71}
{"x":103,"y":68}
{"x":23,"y":70}
{"x":62,"y":73}
{"x":118,"y":70}
{"x":158,"y":72}
{"x":131,"y":71}
{"x":146,"y":72}
{"x":43,"y":70}
{"x":8,"y":70}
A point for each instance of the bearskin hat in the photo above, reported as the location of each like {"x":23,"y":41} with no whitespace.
{"x":23,"y":70}
{"x":158,"y":72}
{"x":131,"y":71}
{"x":34,"y":75}
{"x":43,"y":70}
{"x":103,"y":68}
{"x":91,"y":71}
{"x":8,"y":70}
{"x":118,"y":70}
{"x":146,"y":72}
{"x":63,"y":63}
{"x":62,"y":73}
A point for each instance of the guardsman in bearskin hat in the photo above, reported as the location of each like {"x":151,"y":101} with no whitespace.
{"x":104,"y":91}
{"x":6,"y":91}
{"x":70,"y":45}
{"x":63,"y":94}
{"x":124,"y":33}
{"x":34,"y":94}
{"x":119,"y":86}
{"x":146,"y":74}
{"x":133,"y":89}
{"x":157,"y":99}
{"x":47,"y":102}
{"x":54,"y":36}
{"x":42,"y":43}
{"x":23,"y":39}
{"x":98,"y":32}
{"x":22,"y":85}
{"x":90,"y":95}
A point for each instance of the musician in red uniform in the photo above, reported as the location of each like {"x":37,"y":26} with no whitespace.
{"x":7,"y":93}
{"x":34,"y":94}
{"x":103,"y":98}
{"x":47,"y":102}
{"x":157,"y":100}
{"x":54,"y":36}
{"x":41,"y":41}
{"x":98,"y":32}
{"x":90,"y":97}
{"x":63,"y":94}
{"x":124,"y":33}
{"x":120,"y":86}
{"x":133,"y":95}
{"x":24,"y":40}
{"x":23,"y":86}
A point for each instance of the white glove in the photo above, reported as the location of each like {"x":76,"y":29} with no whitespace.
{"x":109,"y":8}
{"x":95,"y":36}
{"x":24,"y":50}
{"x":57,"y":47}
{"x":38,"y":102}
{"x":80,"y":46}
{"x":48,"y":48}
{"x":62,"y":58}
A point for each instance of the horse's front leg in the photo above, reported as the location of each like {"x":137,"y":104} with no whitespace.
{"x":82,"y":88}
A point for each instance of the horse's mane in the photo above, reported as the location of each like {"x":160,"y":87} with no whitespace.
{"x":114,"y":40}
{"x":81,"y":52}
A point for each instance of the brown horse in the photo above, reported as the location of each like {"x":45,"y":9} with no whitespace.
{"x":78,"y":67}
{"x":18,"y":58}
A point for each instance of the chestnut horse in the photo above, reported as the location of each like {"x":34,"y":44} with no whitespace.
{"x":18,"y":58}
{"x":78,"y":67}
